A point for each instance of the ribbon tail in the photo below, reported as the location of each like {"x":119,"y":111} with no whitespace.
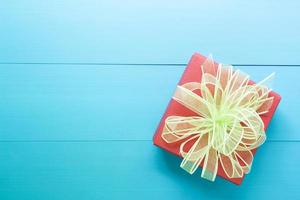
{"x":210,"y":167}
{"x":246,"y":159}
{"x":193,"y":158}
{"x":231,"y":166}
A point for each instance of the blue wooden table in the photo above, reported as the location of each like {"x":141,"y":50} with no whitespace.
{"x":83,"y":85}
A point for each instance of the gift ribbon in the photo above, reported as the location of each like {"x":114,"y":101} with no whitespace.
{"x":227,"y":125}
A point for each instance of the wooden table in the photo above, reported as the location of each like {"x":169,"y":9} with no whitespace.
{"x":83,"y":85}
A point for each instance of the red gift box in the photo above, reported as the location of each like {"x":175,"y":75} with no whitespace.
{"x":193,"y":73}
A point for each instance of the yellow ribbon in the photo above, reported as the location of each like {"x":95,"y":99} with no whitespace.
{"x":228,"y":123}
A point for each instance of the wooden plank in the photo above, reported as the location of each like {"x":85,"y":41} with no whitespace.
{"x":260,"y":32}
{"x":83,"y":102}
{"x":122,"y":169}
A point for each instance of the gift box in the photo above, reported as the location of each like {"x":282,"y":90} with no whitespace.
{"x":193,"y":74}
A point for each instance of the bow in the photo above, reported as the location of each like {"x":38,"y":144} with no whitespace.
{"x":227,"y":125}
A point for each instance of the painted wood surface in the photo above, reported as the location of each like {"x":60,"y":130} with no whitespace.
{"x":102,"y":102}
{"x":83,"y":85}
{"x":133,"y":31}
{"x":135,"y":170}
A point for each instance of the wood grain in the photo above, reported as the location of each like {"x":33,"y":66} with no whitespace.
{"x":84,"y":102}
{"x":72,"y":127}
{"x":134,"y":170}
{"x":116,"y":31}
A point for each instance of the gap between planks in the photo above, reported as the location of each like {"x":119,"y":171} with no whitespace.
{"x":119,"y":64}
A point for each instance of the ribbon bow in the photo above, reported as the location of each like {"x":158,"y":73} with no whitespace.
{"x":228,"y":123}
